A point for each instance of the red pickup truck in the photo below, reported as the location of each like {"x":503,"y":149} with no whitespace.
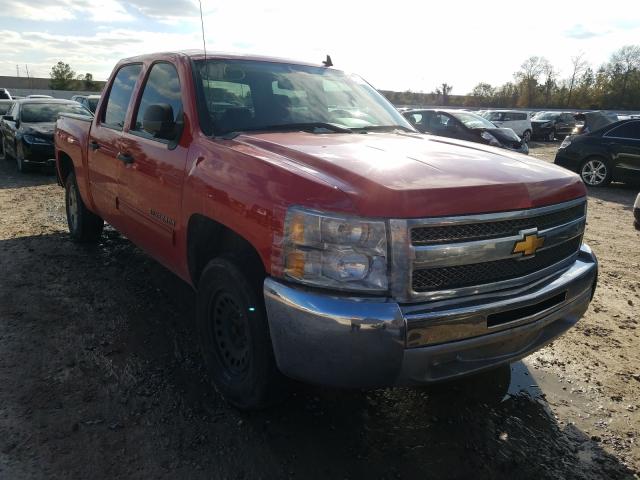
{"x":327,"y":240}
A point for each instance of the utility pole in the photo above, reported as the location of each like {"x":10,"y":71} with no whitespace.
{"x":18,"y":70}
{"x":28,"y":77}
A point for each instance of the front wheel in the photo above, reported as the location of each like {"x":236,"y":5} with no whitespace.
{"x":595,"y":172}
{"x":20,"y":165}
{"x":526,"y":136}
{"x":84,"y":225}
{"x":552,"y":135}
{"x":234,"y":335}
{"x":7,"y":156}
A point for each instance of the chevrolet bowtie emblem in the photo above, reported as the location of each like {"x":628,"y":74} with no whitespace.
{"x":528,"y":245}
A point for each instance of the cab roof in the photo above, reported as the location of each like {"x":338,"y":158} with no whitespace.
{"x":199,"y":55}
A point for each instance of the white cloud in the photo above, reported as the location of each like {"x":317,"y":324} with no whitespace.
{"x":410,"y":44}
{"x":58,"y":10}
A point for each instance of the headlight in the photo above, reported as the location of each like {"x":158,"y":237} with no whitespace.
{"x":491,"y":139}
{"x":566,"y":142}
{"x":547,"y":125}
{"x":331,"y":251}
{"x":32,"y":139}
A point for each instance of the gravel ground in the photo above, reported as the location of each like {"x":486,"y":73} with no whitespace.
{"x":100,"y":377}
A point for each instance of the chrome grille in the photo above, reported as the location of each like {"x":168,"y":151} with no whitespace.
{"x":486,"y":272}
{"x":434,"y":235}
{"x":447,"y":257}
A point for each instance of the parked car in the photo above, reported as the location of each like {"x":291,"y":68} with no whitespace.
{"x":591,"y":121}
{"x":37,"y":95}
{"x":5,"y":105}
{"x":465,"y":125}
{"x":327,"y":240}
{"x":89,"y":101}
{"x":611,"y":153}
{"x":518,"y":121}
{"x":27,"y":130}
{"x":4,"y":94}
{"x":549,"y":125}
{"x":636,"y":212}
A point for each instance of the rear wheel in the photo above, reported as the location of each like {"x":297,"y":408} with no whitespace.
{"x":526,"y":136}
{"x":234,"y":335}
{"x":595,"y":172}
{"x":84,"y":225}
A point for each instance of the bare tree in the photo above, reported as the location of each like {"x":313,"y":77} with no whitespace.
{"x":529,"y":75}
{"x":444,"y":91}
{"x":623,"y":63}
{"x":579,"y":66}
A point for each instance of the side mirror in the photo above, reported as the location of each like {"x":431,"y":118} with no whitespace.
{"x":8,"y":118}
{"x":158,"y":121}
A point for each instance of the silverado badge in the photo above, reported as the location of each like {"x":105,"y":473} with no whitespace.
{"x":528,"y":245}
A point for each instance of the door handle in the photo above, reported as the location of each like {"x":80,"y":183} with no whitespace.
{"x":93,"y":145}
{"x":125,"y":158}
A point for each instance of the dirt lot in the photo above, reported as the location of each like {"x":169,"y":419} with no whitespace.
{"x":100,"y":377}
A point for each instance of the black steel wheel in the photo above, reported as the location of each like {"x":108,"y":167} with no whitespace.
{"x":84,"y":225}
{"x":234,"y":334}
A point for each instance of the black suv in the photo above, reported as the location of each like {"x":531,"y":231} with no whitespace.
{"x":549,"y":125}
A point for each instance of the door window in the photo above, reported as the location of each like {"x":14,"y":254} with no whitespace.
{"x":162,"y":88}
{"x":628,"y":130}
{"x":120,"y":95}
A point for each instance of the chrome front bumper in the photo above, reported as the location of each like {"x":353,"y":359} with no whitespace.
{"x":369,"y":342}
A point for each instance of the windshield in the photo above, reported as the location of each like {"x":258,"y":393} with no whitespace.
{"x":545,"y":116}
{"x":494,"y":116}
{"x":471,"y":120}
{"x":252,"y":95}
{"x":93,"y":103}
{"x":48,"y":112}
{"x":4,"y":107}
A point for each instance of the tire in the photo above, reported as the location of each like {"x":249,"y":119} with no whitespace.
{"x":595,"y":172}
{"x":526,"y":136}
{"x":552,"y":135}
{"x":20,"y":165}
{"x":234,"y":335}
{"x":4,"y":149}
{"x":84,"y":225}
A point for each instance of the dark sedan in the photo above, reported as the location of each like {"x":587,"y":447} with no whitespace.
{"x":636,"y":213}
{"x":5,"y":105}
{"x":611,"y":153}
{"x":27,"y":129}
{"x":465,"y":126}
{"x":549,"y":125}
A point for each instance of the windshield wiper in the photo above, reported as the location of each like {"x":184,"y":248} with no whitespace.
{"x":303,"y":126}
{"x":382,"y":128}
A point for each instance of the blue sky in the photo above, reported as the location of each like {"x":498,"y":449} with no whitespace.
{"x":398,"y":45}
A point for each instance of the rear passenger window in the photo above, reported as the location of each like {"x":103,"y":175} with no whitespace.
{"x":120,"y":95}
{"x":628,"y":130}
{"x":163,"y":89}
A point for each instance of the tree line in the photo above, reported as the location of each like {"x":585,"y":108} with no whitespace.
{"x":614,"y":85}
{"x":64,"y":78}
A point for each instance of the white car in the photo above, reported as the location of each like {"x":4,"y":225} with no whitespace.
{"x":519,"y":122}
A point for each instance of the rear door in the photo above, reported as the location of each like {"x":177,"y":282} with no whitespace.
{"x":150,"y":189}
{"x":105,"y":139}
{"x":624,"y":144}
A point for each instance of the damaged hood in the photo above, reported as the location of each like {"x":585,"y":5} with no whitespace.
{"x":406,"y":175}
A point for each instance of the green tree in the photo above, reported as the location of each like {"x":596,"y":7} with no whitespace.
{"x":89,"y":84}
{"x":62,"y":76}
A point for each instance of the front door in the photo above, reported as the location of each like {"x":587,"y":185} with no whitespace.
{"x":624,"y":143}
{"x":150,"y":189}
{"x":105,"y":144}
